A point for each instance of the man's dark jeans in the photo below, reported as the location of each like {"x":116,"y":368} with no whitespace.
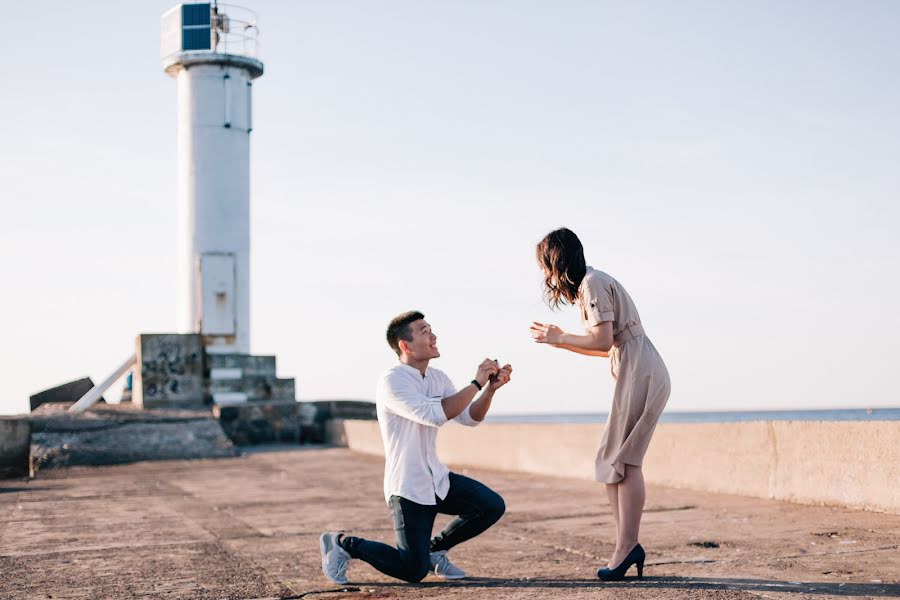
{"x":477,"y":506}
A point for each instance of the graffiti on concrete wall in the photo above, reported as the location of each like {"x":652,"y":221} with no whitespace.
{"x":171,"y":369}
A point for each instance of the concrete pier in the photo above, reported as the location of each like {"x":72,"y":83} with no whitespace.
{"x":247,"y":527}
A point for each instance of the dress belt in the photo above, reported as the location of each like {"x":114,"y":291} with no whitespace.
{"x":628,"y":333}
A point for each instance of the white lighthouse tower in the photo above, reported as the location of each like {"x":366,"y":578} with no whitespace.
{"x":210,"y":50}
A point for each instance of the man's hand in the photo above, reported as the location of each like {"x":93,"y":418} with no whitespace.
{"x":487,"y":369}
{"x":497,"y":378}
{"x":546,"y":334}
{"x":501,"y":378}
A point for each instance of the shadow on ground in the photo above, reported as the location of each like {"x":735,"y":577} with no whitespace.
{"x":882,"y":590}
{"x":16,"y":490}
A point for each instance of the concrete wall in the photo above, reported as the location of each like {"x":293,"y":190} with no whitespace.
{"x":15,"y":439}
{"x":852,"y":464}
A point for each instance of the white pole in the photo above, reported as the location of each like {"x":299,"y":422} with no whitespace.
{"x":94,"y":394}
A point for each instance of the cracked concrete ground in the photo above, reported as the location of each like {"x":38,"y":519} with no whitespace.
{"x":247,"y":527}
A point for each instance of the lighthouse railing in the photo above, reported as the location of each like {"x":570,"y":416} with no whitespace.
{"x":235,"y":30}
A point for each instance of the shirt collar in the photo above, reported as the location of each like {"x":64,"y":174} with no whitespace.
{"x":413,"y":370}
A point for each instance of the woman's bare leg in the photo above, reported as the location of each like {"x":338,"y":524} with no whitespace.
{"x":612,"y":492}
{"x":631,"y":507}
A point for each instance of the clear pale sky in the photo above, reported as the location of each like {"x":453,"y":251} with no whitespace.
{"x":733,"y":164}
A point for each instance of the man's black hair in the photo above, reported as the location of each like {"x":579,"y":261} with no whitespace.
{"x":399,"y":329}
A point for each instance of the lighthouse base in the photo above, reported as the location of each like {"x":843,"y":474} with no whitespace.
{"x":254,"y":405}
{"x":177,"y":371}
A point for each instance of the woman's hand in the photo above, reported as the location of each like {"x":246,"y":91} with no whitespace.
{"x":546,"y":334}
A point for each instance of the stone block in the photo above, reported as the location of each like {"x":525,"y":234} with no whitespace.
{"x":284,"y":390}
{"x":250,"y":366}
{"x":257,"y":389}
{"x":15,"y":438}
{"x":67,"y":392}
{"x":260,"y":422}
{"x":170,"y":371}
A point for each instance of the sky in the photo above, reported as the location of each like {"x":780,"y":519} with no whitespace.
{"x":732,"y":164}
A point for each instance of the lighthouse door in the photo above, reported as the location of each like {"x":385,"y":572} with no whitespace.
{"x":216,"y":297}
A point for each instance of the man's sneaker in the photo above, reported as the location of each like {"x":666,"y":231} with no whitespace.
{"x":442,"y":566}
{"x":334,"y":558}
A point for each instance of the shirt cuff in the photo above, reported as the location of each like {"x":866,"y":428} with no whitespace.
{"x":595,"y":318}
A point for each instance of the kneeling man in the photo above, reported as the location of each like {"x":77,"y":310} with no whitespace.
{"x":413,"y":400}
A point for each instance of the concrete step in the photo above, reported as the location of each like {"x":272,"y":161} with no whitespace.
{"x":229,"y":398}
{"x":249,"y":365}
{"x":255,"y":388}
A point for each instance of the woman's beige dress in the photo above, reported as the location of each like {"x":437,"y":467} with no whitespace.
{"x":642,"y":381}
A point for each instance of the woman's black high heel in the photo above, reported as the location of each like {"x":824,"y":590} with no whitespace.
{"x":635,"y":557}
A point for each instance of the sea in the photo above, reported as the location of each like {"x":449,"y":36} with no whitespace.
{"x":853,"y":414}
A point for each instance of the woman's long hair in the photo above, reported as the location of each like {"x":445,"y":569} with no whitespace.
{"x":561,"y":256}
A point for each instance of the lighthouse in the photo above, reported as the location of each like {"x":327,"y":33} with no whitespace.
{"x":211,"y":53}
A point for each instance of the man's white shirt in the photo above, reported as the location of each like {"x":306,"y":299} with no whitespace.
{"x":409,"y":415}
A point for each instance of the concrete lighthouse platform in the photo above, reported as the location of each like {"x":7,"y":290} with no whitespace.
{"x":121,"y":433}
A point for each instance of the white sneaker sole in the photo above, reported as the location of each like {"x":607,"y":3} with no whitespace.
{"x":451,"y":577}
{"x":323,"y":548}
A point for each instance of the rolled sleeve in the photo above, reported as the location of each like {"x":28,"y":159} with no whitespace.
{"x":465,"y":418}
{"x":402,"y":399}
{"x":448,"y":388}
{"x":597,"y":301}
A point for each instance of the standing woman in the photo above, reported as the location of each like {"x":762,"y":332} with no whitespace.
{"x":642,"y":381}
